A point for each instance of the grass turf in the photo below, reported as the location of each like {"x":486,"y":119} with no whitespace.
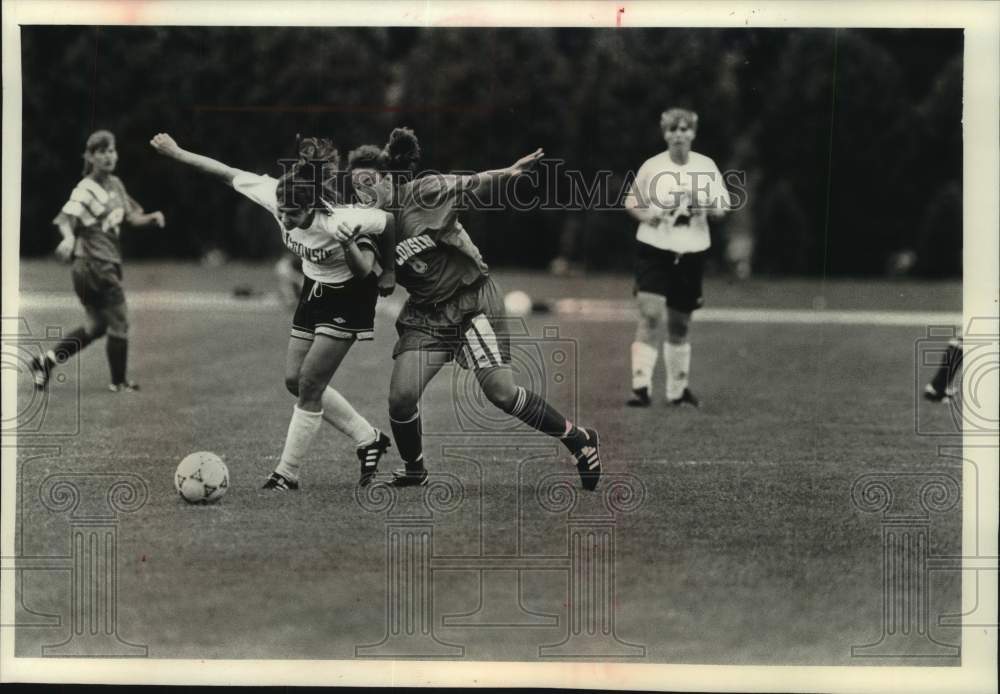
{"x":748,"y":548}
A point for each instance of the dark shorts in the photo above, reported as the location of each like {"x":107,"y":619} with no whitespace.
{"x":470,"y":328}
{"x":676,"y":276}
{"x":98,"y":283}
{"x":345,"y":311}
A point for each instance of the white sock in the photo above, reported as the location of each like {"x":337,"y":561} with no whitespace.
{"x":678,"y":359}
{"x":345,"y":419}
{"x":301,"y":432}
{"x":643,"y":362}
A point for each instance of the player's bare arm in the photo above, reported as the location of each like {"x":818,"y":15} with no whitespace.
{"x":64,"y":251}
{"x":484,"y":179}
{"x":641,"y":211}
{"x":359,"y":261}
{"x":168,"y":147}
{"x":387,"y":249}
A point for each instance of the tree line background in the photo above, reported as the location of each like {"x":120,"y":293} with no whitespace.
{"x":851,"y":140}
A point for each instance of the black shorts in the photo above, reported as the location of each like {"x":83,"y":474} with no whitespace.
{"x":471,"y":328}
{"x":98,"y":283}
{"x":345,"y":311}
{"x":676,"y":276}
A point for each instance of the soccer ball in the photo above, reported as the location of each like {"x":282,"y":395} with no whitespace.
{"x":202,"y":478}
{"x":517,"y":303}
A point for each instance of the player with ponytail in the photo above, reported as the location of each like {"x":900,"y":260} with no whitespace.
{"x":339,"y":252}
{"x":455,"y":309}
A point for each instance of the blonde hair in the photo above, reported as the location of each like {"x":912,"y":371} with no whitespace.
{"x":674,"y":116}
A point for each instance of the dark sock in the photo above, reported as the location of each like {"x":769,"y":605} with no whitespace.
{"x":949,"y":367}
{"x":409,"y":441}
{"x":68,"y":346}
{"x":117,"y":358}
{"x":531,"y":409}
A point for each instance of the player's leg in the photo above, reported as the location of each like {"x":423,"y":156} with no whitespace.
{"x":646,"y":346}
{"x":94,"y":327}
{"x":318,"y":366}
{"x":116,"y":316}
{"x":412,"y":370}
{"x":941,"y":388}
{"x":499,"y":388}
{"x":684,"y":295}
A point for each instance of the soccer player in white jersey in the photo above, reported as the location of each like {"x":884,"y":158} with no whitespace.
{"x":674,"y":195}
{"x":336,"y":307}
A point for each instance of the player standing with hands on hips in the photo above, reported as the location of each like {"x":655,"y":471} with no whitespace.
{"x":90,"y":224}
{"x":336,"y":306}
{"x":674,"y":195}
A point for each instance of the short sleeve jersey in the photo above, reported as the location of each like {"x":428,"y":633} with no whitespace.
{"x":322,"y":256}
{"x":660,"y":182}
{"x":435,"y":258}
{"x":96,"y":212}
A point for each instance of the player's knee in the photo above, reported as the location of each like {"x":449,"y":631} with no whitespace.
{"x":310,"y":388}
{"x":650,"y":313}
{"x":402,"y":403}
{"x":677,"y":329}
{"x":502,"y":395}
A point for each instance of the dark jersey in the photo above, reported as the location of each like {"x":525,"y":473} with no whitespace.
{"x":96,"y":211}
{"x":435,"y":258}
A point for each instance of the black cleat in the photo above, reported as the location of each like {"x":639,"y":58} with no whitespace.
{"x":686,"y":398}
{"x":370,"y":455}
{"x":934,"y":395}
{"x":279,"y":483}
{"x":124,"y":387}
{"x":588,"y":460}
{"x":409,"y":478}
{"x":640,"y":398}
{"x":40,"y":372}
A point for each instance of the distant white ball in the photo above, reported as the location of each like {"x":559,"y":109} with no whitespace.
{"x":201,"y":478}
{"x":517,"y":303}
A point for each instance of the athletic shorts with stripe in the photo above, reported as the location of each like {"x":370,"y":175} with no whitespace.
{"x":676,"y":276}
{"x":471,"y":328}
{"x":345,"y":311}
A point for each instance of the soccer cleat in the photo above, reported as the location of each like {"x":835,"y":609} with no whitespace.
{"x":40,"y":372}
{"x":370,"y":455}
{"x":640,"y":398}
{"x":409,"y":478}
{"x":279,"y":483}
{"x":686,"y":398}
{"x":123,"y":387}
{"x":934,"y":395}
{"x":588,"y":460}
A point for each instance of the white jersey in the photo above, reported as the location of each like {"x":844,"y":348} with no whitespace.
{"x":660,"y":184}
{"x":322,"y":256}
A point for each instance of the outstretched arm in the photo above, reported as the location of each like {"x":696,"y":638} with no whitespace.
{"x":482,"y":180}
{"x":168,"y":147}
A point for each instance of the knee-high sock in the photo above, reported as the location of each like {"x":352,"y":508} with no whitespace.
{"x":117,"y":349}
{"x":345,"y":419}
{"x":942,"y":380}
{"x":301,"y":432}
{"x":409,"y":440}
{"x":534,"y":411}
{"x":678,"y":360}
{"x":68,"y":346}
{"x":643,"y":362}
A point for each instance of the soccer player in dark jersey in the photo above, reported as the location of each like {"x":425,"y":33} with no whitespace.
{"x":336,"y":306}
{"x":455,"y":309}
{"x":90,"y":224}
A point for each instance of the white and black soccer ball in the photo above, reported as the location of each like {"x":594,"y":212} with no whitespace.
{"x":202,"y":478}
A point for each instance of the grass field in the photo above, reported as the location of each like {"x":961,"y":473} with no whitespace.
{"x":746,"y":550}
